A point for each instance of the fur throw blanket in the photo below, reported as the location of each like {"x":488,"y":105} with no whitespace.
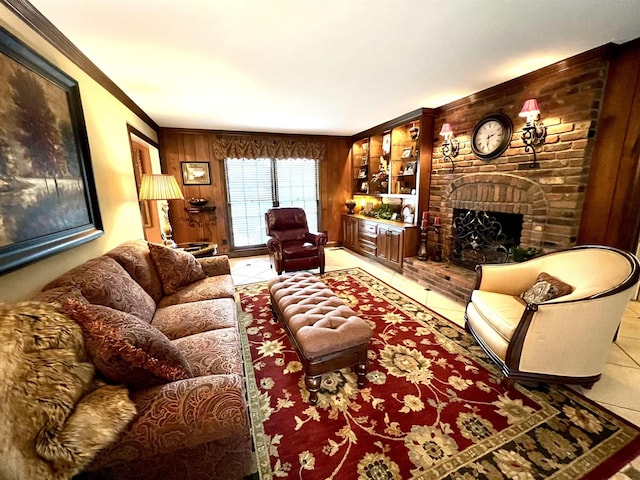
{"x":55,"y":415}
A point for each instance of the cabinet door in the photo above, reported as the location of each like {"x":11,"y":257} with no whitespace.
{"x":390,"y":244}
{"x":382,"y":242}
{"x":350,"y":229}
{"x":395,"y":245}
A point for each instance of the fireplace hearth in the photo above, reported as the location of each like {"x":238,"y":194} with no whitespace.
{"x":484,"y":237}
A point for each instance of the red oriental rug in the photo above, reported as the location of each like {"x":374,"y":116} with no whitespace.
{"x":433,"y":407}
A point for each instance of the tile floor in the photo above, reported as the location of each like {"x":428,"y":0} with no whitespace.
{"x":618,"y":389}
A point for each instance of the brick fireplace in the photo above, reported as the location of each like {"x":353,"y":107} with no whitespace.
{"x":549,"y":197}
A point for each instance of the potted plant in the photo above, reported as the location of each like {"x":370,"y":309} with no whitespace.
{"x":521,"y":254}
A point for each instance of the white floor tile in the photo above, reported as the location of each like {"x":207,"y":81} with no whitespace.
{"x":619,"y":355}
{"x":631,"y":347}
{"x":632,"y":416}
{"x":619,"y":386}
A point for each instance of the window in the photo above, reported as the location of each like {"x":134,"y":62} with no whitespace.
{"x":256,"y":185}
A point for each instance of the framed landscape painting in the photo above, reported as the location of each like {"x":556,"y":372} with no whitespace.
{"x":48,"y":200}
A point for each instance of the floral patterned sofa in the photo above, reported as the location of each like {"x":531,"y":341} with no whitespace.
{"x":164,"y":323}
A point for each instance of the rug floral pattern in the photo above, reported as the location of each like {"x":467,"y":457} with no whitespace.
{"x":433,"y":406}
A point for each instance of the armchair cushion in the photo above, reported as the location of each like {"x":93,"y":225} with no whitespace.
{"x":125,"y":349}
{"x":547,"y":287}
{"x":175,"y":267}
{"x":298,"y":249}
{"x":501,"y":312}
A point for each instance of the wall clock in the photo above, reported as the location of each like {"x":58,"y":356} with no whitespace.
{"x":491,"y":136}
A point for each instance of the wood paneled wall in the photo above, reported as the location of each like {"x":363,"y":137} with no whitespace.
{"x":610,"y":215}
{"x":178,"y":145}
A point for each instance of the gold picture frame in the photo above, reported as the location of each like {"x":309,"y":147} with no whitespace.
{"x":195,"y":173}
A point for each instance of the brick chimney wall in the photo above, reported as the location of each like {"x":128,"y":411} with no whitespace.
{"x":569,"y":95}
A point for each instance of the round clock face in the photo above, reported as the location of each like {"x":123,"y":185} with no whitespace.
{"x":492,"y":136}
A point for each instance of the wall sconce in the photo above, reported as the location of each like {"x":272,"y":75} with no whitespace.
{"x":414,"y":131}
{"x":450,"y":147}
{"x":534,"y":132}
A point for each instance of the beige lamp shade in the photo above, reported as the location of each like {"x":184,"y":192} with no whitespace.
{"x":160,"y":187}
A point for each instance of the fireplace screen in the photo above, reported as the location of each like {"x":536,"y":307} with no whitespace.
{"x":484,"y":237}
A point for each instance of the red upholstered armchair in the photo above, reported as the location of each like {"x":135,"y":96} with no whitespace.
{"x":291,"y":246}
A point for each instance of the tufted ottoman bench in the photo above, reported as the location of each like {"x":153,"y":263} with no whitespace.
{"x":326,"y":334}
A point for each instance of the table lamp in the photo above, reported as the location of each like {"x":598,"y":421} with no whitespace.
{"x":162,"y":187}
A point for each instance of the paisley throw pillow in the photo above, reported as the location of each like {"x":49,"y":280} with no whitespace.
{"x":547,"y":287}
{"x":176,"y":268}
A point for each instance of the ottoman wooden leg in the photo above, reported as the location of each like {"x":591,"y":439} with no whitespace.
{"x":361,"y":372}
{"x":313,"y":386}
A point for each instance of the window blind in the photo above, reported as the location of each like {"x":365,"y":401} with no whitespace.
{"x":256,"y":185}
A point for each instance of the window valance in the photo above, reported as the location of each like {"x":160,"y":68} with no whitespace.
{"x":237,"y":146}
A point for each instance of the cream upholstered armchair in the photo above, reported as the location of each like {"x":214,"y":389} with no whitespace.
{"x":560,"y":340}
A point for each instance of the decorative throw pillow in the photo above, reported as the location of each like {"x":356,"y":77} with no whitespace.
{"x":546,"y":288}
{"x":126,"y":349}
{"x":176,"y":268}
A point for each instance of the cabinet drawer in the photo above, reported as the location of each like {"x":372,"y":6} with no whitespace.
{"x":369,"y":248}
{"x":369,"y":230}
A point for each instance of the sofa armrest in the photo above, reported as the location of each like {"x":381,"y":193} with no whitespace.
{"x":506,"y":278}
{"x":214,"y":266}
{"x":179,"y":415}
{"x":318,"y":239}
{"x":274,"y":245}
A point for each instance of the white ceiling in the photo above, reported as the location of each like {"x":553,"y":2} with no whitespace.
{"x":333,"y":67}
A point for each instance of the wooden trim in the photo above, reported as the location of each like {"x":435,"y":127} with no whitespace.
{"x":230,"y":133}
{"x":43,"y":27}
{"x":139,"y":134}
{"x":407,"y":117}
{"x":598,"y":53}
{"x":541,"y":377}
{"x":514,"y":350}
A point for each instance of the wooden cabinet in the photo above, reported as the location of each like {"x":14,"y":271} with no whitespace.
{"x":387,"y":242}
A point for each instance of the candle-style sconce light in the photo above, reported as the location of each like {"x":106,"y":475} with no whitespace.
{"x":450,"y":147}
{"x":414,"y":131}
{"x":534,"y":132}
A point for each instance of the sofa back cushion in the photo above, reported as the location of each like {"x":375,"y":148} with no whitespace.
{"x":176,"y":268}
{"x":125,"y":349}
{"x":104,"y":282}
{"x":135,"y":258}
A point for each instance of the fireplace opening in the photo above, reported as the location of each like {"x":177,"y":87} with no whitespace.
{"x":484,"y":237}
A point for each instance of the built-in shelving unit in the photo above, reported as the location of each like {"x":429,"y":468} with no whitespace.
{"x":393,"y":161}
